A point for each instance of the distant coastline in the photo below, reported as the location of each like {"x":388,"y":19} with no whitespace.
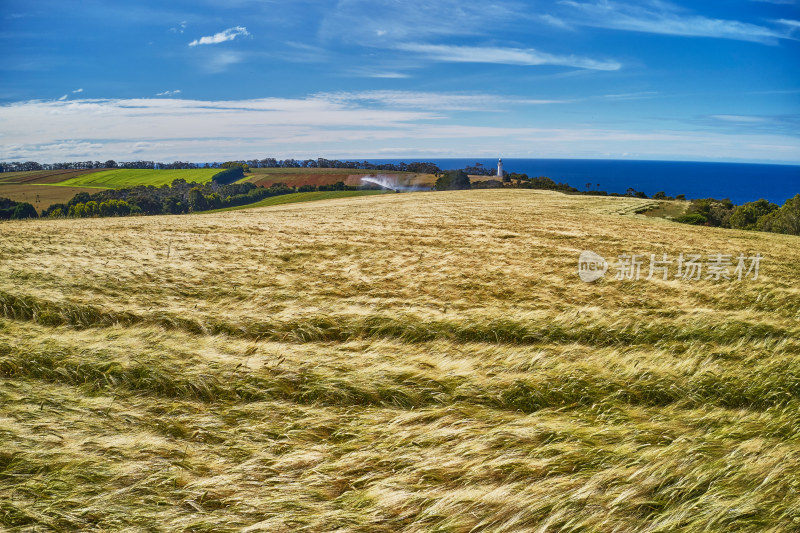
{"x":741,"y":182}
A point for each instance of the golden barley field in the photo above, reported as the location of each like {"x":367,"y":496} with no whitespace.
{"x":401,"y":362}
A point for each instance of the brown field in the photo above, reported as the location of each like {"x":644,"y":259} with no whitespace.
{"x":398,"y":362}
{"x":44,"y":176}
{"x":32,"y":187}
{"x":311,"y":176}
{"x":40,"y":196}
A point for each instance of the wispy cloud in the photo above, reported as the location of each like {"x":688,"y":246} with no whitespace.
{"x":169,"y":93}
{"x":76,"y":91}
{"x":434,"y":101}
{"x":63,"y":98}
{"x":340,"y":125}
{"x":384,"y":21}
{"x":788,"y":124}
{"x":220,"y":61}
{"x":656,"y":16}
{"x":380,"y":74}
{"x":791,"y":24}
{"x":747,"y":119}
{"x":504,"y":56}
{"x":631,"y":96}
{"x":227,"y":35}
{"x":551,"y":20}
{"x":180,"y":28}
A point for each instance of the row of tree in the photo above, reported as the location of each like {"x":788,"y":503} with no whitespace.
{"x":17,"y":166}
{"x":760,"y":215}
{"x":177,"y":198}
{"x":268,"y":162}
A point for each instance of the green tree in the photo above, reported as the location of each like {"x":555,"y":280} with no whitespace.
{"x":106,"y":208}
{"x":197,"y":202}
{"x":453,"y":180}
{"x":234,"y":164}
{"x":786,"y":219}
{"x":213,"y":201}
{"x":746,"y":215}
{"x":78,"y":210}
{"x":24,"y":210}
{"x":92,"y":209}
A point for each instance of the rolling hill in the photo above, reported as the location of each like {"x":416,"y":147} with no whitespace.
{"x":397,"y":362}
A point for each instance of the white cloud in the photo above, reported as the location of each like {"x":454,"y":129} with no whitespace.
{"x":655,"y":16}
{"x":169,"y":93}
{"x":77,"y":91}
{"x":505,"y":56}
{"x":793,"y":25}
{"x":62,"y":98}
{"x":227,"y":35}
{"x":340,"y":125}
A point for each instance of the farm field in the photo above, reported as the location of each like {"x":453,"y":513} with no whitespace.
{"x":395,"y":362}
{"x":296,"y":177}
{"x":43,"y":176}
{"x":122,"y":178}
{"x":27,"y":186}
{"x":292,"y":198}
{"x":40,"y":196}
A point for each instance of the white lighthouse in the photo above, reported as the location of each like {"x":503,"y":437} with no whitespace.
{"x":500,"y":168}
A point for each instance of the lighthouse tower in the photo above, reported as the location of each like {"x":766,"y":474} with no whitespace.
{"x":500,"y":168}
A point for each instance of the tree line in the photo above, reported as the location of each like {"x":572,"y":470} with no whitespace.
{"x":179,"y":197}
{"x":760,"y":215}
{"x":182,"y":197}
{"x":268,"y":162}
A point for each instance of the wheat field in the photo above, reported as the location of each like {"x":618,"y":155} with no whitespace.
{"x":400,"y":362}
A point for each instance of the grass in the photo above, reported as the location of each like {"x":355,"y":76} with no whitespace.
{"x":122,"y":178}
{"x":667,"y":209}
{"x":299,"y":197}
{"x":404,"y":362}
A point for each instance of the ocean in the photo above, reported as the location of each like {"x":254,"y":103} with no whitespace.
{"x":740,"y":182}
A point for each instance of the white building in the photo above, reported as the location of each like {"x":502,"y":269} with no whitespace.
{"x":500,"y":168}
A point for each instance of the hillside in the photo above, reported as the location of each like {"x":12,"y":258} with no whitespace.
{"x":395,"y":362}
{"x":122,"y":178}
{"x":43,"y":188}
{"x":29,"y":186}
{"x":296,"y":177}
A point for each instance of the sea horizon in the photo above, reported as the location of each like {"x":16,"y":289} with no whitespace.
{"x":740,"y":182}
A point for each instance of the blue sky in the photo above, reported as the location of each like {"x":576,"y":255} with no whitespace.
{"x":221,"y":79}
